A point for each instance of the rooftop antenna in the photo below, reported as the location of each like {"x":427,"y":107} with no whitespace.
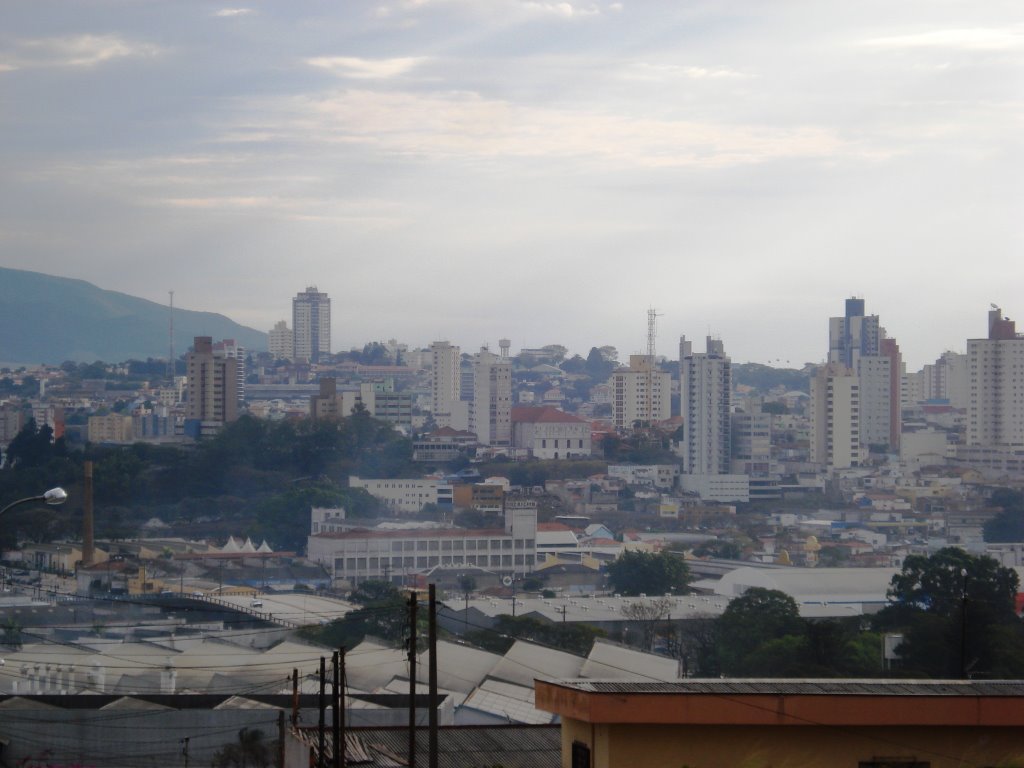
{"x":170,"y":333}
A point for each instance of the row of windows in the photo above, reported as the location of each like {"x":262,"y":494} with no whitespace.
{"x":458,"y":545}
{"x":360,"y":564}
{"x":568,"y":443}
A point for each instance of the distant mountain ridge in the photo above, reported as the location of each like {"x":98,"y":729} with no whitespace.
{"x":48,"y":319}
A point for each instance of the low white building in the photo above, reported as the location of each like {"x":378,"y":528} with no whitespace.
{"x":548,"y":433}
{"x":406,"y":496}
{"x":388,"y":554}
{"x":662,"y":476}
{"x":723,"y":488}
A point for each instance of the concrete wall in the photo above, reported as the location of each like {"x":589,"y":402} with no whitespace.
{"x":794,"y":746}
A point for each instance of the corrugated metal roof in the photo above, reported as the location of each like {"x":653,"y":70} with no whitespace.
{"x":511,"y":746}
{"x":525,"y":661}
{"x":608,"y":660}
{"x":740,"y":687}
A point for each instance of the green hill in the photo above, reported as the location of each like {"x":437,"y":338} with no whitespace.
{"x":46,"y":319}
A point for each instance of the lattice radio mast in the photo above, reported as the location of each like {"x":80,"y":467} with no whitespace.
{"x":170,"y":335}
{"x":652,"y":332}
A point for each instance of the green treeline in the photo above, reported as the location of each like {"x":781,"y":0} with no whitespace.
{"x":255,"y":478}
{"x":955,"y":613}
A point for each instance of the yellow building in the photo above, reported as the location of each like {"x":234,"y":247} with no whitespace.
{"x":112,"y":428}
{"x":787,"y":723}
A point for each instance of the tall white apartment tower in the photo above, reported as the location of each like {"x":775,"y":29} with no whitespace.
{"x":445,"y":381}
{"x":490,"y":413}
{"x":631,"y":401}
{"x":311,"y":325}
{"x":706,"y":402}
{"x":835,"y":417}
{"x":995,"y":410}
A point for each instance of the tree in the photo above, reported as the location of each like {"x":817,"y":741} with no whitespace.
{"x":697,"y":645}
{"x":1008,"y":523}
{"x":756,"y":617}
{"x":598,"y":366}
{"x":384,"y":614}
{"x":554,"y":353}
{"x":719,"y":548}
{"x":957,"y":615}
{"x":573,"y":637}
{"x":636,"y":573}
{"x":249,"y":750}
{"x":34,"y":446}
{"x":937,"y":583}
{"x":574,"y":364}
{"x":647,"y":613}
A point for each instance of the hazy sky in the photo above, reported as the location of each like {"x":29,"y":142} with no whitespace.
{"x":545,"y":171}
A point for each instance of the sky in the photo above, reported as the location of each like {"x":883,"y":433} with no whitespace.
{"x":538,"y":170}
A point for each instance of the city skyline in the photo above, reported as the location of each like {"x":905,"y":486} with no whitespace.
{"x":541,"y":171}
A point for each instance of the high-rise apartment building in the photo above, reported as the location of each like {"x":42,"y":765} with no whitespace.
{"x":752,"y":442}
{"x":945,"y":379}
{"x":641,"y":394}
{"x":835,"y":417}
{"x":445,"y":382}
{"x":231,"y":348}
{"x":311,"y":325}
{"x":706,"y":402}
{"x":995,"y":411}
{"x":212,"y":384}
{"x":859,"y":342}
{"x":490,"y":413}
{"x":281,"y":341}
{"x":379,"y":398}
{"x":853,"y":334}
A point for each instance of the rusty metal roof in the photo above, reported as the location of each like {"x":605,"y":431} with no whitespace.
{"x":828,"y":687}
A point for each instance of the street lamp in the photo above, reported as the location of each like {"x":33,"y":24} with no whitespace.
{"x":53,"y":497}
{"x":964,"y":675}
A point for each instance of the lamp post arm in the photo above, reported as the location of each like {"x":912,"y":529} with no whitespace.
{"x":20,"y":501}
{"x":53,"y":497}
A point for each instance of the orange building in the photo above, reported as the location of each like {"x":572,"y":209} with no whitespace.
{"x":787,"y":723}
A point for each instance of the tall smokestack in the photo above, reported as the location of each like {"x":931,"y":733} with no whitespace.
{"x":88,"y":550}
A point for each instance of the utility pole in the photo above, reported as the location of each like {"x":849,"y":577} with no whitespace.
{"x":341,"y":707}
{"x":412,"y":679}
{"x":322,"y":705}
{"x":432,"y":677}
{"x":295,"y":697}
{"x":335,"y":715}
{"x":963,"y":628}
{"x":88,"y":543}
{"x":280,"y":737}
{"x":184,"y":748}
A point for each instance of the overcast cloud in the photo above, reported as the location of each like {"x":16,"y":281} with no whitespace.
{"x":544,"y":171}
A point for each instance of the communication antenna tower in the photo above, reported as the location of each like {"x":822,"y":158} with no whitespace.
{"x":652,"y":332}
{"x":170,"y":335}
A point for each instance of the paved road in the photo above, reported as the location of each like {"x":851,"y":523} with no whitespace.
{"x":297,"y":608}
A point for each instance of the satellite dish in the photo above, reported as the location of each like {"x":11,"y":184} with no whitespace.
{"x":507,"y":581}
